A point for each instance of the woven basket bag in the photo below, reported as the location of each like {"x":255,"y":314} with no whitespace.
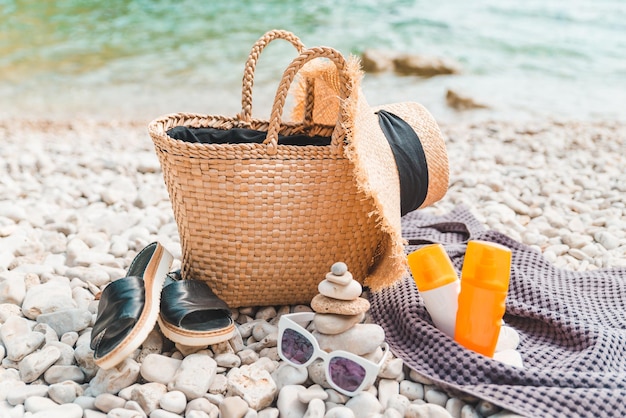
{"x":263,"y":223}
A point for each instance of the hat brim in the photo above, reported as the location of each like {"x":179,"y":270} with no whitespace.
{"x":376,"y":169}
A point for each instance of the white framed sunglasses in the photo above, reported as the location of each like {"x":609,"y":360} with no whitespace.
{"x":346,"y":372}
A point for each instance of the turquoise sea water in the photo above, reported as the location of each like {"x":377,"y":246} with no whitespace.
{"x":143,"y":58}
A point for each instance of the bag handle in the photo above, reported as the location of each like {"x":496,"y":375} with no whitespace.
{"x":345,"y":83}
{"x":250,"y":67}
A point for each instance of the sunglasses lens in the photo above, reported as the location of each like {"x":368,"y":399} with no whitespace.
{"x":296,"y":347}
{"x":346,"y":374}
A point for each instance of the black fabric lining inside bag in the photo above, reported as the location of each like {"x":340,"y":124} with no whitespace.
{"x":239,"y":136}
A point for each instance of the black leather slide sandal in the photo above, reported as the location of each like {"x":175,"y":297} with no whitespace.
{"x":192,"y":315}
{"x":129,"y":307}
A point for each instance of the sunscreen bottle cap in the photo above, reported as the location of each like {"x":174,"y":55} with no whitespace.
{"x":431,"y":267}
{"x":487,"y":265}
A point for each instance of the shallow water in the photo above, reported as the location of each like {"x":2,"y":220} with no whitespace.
{"x":141,"y":59}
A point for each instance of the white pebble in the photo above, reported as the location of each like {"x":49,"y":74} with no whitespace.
{"x":436,"y":397}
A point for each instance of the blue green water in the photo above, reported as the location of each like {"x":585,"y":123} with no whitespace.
{"x":143,"y":58}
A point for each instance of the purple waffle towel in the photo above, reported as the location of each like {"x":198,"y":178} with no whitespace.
{"x":572,"y":328}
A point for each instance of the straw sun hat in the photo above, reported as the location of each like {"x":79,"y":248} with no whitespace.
{"x":398,"y":152}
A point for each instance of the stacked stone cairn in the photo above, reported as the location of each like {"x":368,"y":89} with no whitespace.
{"x":339,"y":311}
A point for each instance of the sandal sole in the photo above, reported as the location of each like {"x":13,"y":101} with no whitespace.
{"x":196,"y":338}
{"x":154,"y":278}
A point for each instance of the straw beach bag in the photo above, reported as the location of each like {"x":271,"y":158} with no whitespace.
{"x":262,"y":223}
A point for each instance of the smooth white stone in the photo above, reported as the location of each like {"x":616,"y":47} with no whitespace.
{"x":69,"y":338}
{"x":507,"y":339}
{"x":360,"y":339}
{"x":8,"y":384}
{"x":161,"y":413}
{"x":48,"y":297}
{"x":340,"y":280}
{"x":152,"y":344}
{"x":134,"y":406}
{"x":8,"y":310}
{"x":417,"y":377}
{"x":312,"y":392}
{"x":85,"y":402}
{"x":65,"y":392}
{"x":339,"y":268}
{"x":315,"y":409}
{"x":19,"y":393}
{"x":364,"y":404}
{"x":436,"y":397}
{"x":12,"y":288}
{"x":454,"y":407}
{"x":50,"y":335}
{"x":202,"y":405}
{"x":194,"y":376}
{"x":35,"y":364}
{"x":269,"y":413}
{"x":69,"y":410}
{"x":202,"y":414}
{"x":18,"y":338}
{"x":233,"y":406}
{"x":113,"y":380}
{"x":267,"y":364}
{"x":107,"y":402}
{"x":317,"y":373}
{"x":607,"y":240}
{"x":288,"y":404}
{"x":392,"y":369}
{"x":89,"y":413}
{"x":248,"y":356}
{"x":427,"y":410}
{"x":228,"y":360}
{"x":39,"y":403}
{"x":253,"y":384}
{"x":286,"y":374}
{"x":266,"y":313}
{"x":125,"y":413}
{"x":574,"y":240}
{"x":245,"y":329}
{"x":333,"y":324}
{"x":66,"y":320}
{"x":263,"y":329}
{"x":392,"y":413}
{"x":386,"y":389}
{"x":270,"y":353}
{"x":351,"y":291}
{"x":174,"y":401}
{"x":84,"y":358}
{"x":340,"y":412}
{"x":398,"y":402}
{"x":510,"y":357}
{"x":159,"y":368}
{"x":94,"y":275}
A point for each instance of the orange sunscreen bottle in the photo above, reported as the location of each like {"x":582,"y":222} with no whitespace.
{"x":437,"y":283}
{"x":484,"y":286}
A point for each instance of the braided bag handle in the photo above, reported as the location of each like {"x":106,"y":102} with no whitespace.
{"x":345,"y":83}
{"x":250,"y":67}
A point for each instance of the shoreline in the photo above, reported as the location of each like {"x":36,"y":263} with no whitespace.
{"x":528,"y":100}
{"x":80,"y":197}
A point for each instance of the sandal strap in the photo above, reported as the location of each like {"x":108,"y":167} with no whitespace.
{"x":183,"y":297}
{"x":121,"y":300}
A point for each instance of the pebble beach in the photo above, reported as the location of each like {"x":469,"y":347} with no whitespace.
{"x":79,"y":199}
